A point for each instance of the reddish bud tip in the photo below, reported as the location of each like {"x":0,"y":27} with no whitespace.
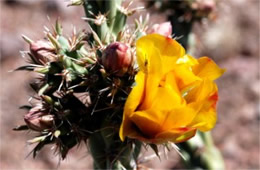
{"x":117,"y":58}
{"x":38,"y":120}
{"x":42,"y":51}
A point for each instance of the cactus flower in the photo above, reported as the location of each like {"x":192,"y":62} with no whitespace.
{"x":164,"y":29}
{"x":175,"y":94}
{"x":42,"y":51}
{"x":38,"y":120}
{"x":117,"y":58}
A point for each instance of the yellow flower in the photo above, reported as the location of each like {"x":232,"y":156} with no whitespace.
{"x":174,"y":95}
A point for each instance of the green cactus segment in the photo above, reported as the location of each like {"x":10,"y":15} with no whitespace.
{"x":75,"y":96}
{"x":111,"y":8}
{"x":119,"y":23}
{"x":63,"y":43}
{"x":103,"y":32}
{"x":79,"y":70}
{"x":77,"y":99}
{"x":91,"y":8}
{"x":63,"y":71}
{"x":200,"y":152}
{"x":115,"y":20}
{"x":110,"y":153}
{"x":67,"y":63}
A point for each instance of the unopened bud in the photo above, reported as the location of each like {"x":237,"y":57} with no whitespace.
{"x":208,"y":5}
{"x":164,"y":29}
{"x":204,"y":7}
{"x":38,"y":120}
{"x":117,"y":58}
{"x":42,"y":51}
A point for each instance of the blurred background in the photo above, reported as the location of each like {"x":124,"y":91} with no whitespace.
{"x":231,"y":39}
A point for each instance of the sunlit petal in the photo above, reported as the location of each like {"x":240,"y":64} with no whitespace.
{"x":207,"y":68}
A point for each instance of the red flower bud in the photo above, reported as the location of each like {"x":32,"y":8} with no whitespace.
{"x":164,"y":29}
{"x":207,"y":6}
{"x":42,"y":51}
{"x":204,"y":6}
{"x":38,"y":120}
{"x":117,"y":58}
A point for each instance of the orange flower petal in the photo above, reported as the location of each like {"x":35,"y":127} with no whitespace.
{"x":205,"y":120}
{"x":187,"y":60}
{"x":169,"y":51}
{"x":144,"y":119}
{"x":151,"y":88}
{"x":204,"y":99}
{"x":207,"y":68}
{"x":131,"y":104}
{"x":178,"y":117}
{"x":184,"y":76}
{"x":166,"y":45}
{"x":174,"y":96}
{"x":201,"y":91}
{"x":148,"y":57}
{"x":175,"y":135}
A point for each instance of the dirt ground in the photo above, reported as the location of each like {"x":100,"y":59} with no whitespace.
{"x":232,"y":40}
